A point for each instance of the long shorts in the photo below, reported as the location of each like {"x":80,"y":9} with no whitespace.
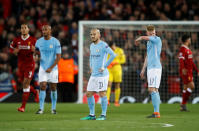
{"x":98,"y":84}
{"x":154,"y":77}
{"x":51,"y":77}
{"x":25,"y":72}
{"x":187,"y":78}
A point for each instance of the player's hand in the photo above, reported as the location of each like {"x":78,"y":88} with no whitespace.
{"x":33,"y":48}
{"x":15,"y":51}
{"x":198,"y":74}
{"x":114,"y":63}
{"x":184,"y":71}
{"x":142,"y":74}
{"x":137,"y":42}
{"x":101,"y":69}
{"x":90,"y":71}
{"x":49,"y":70}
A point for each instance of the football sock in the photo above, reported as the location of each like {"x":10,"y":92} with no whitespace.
{"x":91,"y":105}
{"x":53,"y":96}
{"x":188,"y":93}
{"x":184,"y":97}
{"x":104,"y":104}
{"x":42,"y":96}
{"x":25,"y":96}
{"x":108,"y":93}
{"x":117,"y":94}
{"x":155,"y":101}
{"x":32,"y":89}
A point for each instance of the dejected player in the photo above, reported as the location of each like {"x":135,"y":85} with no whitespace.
{"x":186,"y":67}
{"x":154,"y":67}
{"x":50,"y":54}
{"x":24,"y":47}
{"x":98,"y":81}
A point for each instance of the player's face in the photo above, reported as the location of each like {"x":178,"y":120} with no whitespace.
{"x":189,"y":41}
{"x":46,"y":30}
{"x":95,"y":35}
{"x":150,"y":33}
{"x":24,"y":29}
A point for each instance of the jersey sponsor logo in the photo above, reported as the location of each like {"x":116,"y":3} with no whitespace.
{"x":97,"y":50}
{"x":51,"y":46}
{"x":190,"y":56}
{"x":95,"y":55}
{"x":24,"y":47}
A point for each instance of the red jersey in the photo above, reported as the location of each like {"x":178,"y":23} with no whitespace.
{"x":186,"y":60}
{"x":25,"y":54}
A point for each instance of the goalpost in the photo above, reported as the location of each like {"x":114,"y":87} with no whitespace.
{"x":123,"y":33}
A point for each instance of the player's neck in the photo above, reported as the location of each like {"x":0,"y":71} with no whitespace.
{"x":47,"y":37}
{"x":185,"y":44}
{"x":24,"y":36}
{"x":96,"y":42}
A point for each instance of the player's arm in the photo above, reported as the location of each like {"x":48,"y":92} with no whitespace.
{"x":181,"y":63}
{"x":143,"y":68}
{"x":90,"y":63}
{"x":112,"y":56}
{"x":195,"y":67}
{"x":122,"y":57}
{"x":137,"y":41}
{"x":13,"y":47}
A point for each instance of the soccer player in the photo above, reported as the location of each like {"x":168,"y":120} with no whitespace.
{"x":98,"y":81}
{"x":186,"y":70}
{"x":50,"y":54}
{"x":154,"y":67}
{"x":24,"y":47}
{"x":115,"y":72}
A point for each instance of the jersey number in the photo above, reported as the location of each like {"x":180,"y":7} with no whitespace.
{"x":100,"y":85}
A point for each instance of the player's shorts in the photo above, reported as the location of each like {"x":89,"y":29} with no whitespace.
{"x":154,"y":77}
{"x":97,"y":84}
{"x":25,"y":72}
{"x":187,"y":78}
{"x":115,"y":76}
{"x":51,"y":77}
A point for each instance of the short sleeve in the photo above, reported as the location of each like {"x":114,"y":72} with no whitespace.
{"x":153,"y":39}
{"x":58,"y":47}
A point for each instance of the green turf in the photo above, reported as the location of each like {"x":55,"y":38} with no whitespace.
{"x":127,"y":117}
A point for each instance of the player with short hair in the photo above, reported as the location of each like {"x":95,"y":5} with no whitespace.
{"x":186,"y":67}
{"x":24,"y":47}
{"x":98,"y":81}
{"x":154,"y":67}
{"x":50,"y":54}
{"x":115,"y":72}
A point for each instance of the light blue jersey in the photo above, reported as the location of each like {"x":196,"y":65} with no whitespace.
{"x":48,"y":50}
{"x":154,"y":46}
{"x":98,"y":58}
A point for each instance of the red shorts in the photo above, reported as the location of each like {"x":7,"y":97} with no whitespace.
{"x":187,"y":78}
{"x":25,"y":72}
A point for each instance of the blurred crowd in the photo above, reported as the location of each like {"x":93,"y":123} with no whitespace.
{"x":63,"y":16}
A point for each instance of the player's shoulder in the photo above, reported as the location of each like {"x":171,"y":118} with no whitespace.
{"x":55,"y":39}
{"x":32,"y":38}
{"x":40,"y":39}
{"x":17,"y":38}
{"x":104,"y":44}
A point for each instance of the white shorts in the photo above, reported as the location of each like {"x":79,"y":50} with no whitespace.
{"x":154,"y":77}
{"x":51,"y":77}
{"x":97,"y":83}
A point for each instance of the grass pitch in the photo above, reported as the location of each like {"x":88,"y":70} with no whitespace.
{"x":127,"y":117}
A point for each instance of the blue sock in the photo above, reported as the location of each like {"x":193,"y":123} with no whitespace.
{"x":91,"y":105}
{"x":104,"y":104}
{"x":53,"y":96}
{"x":42,"y":96}
{"x":155,"y":101}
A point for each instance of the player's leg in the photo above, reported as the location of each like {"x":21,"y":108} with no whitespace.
{"x":109,"y":85}
{"x":109,"y":91}
{"x":42,"y":97}
{"x":117,"y":93}
{"x":154,"y":77}
{"x":53,"y":96}
{"x":117,"y":79}
{"x":91,"y":105}
{"x":104,"y":104}
{"x":43,"y":85}
{"x":26,"y":94}
{"x":187,"y":90}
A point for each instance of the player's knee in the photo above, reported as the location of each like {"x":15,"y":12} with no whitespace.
{"x":43,"y":87}
{"x":102,"y":94}
{"x":89,"y":94}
